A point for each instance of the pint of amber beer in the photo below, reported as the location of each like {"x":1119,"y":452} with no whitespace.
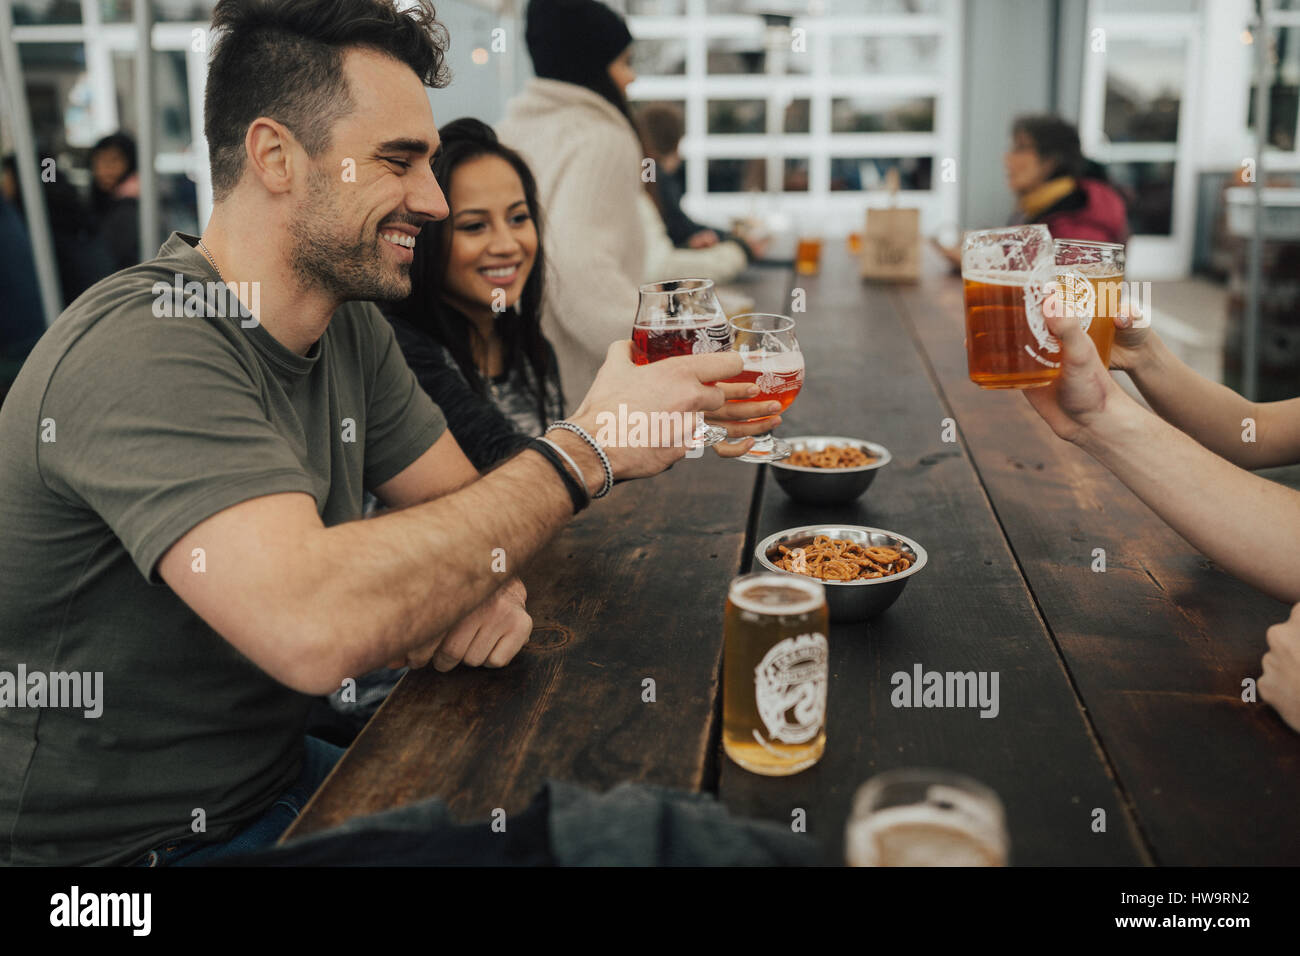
{"x":774,"y":673}
{"x":1007,"y":275}
{"x":1091,"y":280}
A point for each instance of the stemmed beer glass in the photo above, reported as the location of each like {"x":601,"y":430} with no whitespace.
{"x":681,"y":317}
{"x":774,"y":363}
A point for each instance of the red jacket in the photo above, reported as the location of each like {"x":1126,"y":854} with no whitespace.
{"x":1094,"y":211}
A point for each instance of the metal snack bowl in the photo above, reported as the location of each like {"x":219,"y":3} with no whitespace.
{"x":829,"y":486}
{"x":849,"y":600}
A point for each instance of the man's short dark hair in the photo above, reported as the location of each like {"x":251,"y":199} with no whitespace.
{"x":284,"y":59}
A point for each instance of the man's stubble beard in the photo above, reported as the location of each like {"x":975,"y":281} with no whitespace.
{"x":349,"y":269}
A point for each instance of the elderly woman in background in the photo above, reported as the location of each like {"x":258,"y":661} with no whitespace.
{"x":1056,"y":185}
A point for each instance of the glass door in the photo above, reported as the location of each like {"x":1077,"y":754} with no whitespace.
{"x":1140,"y":98}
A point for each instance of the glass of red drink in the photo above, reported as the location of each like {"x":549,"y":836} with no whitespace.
{"x":681,"y":317}
{"x":773,"y":362}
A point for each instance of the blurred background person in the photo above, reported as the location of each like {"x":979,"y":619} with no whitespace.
{"x":80,"y":254}
{"x":115,"y":197}
{"x":22,"y":317}
{"x":572,"y":125}
{"x":661,"y":129}
{"x":1056,"y":185}
{"x":471,"y":329}
{"x":675,"y":244}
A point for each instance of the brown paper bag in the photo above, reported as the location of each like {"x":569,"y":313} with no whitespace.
{"x":891,"y":241}
{"x":891,"y":245}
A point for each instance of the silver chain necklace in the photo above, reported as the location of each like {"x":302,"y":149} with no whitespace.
{"x":205,"y":251}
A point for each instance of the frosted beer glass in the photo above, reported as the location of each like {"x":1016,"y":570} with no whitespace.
{"x":1006,"y":275}
{"x":1091,"y":279}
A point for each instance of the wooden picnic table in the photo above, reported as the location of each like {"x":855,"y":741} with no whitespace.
{"x":1119,"y":691}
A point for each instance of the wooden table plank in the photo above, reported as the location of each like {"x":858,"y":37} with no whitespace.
{"x":969,"y":610}
{"x":633,"y":589}
{"x":1158,"y":645}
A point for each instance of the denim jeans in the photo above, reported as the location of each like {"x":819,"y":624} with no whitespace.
{"x":266,"y":829}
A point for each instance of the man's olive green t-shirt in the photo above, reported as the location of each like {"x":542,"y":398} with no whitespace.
{"x":122,"y":432}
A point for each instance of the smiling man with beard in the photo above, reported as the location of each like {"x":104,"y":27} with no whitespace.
{"x":178,"y":494}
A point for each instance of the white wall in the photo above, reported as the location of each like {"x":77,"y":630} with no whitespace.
{"x":1008,"y":70}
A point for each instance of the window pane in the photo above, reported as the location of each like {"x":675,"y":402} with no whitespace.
{"x":164,"y":11}
{"x":797,"y":116}
{"x":884,"y":55}
{"x":732,"y":55}
{"x":795,"y":178}
{"x":737,"y":116}
{"x":656,"y":8}
{"x":659,"y":57}
{"x":861,"y":173}
{"x":875,"y":114}
{"x":1148,"y":191}
{"x":858,"y":8}
{"x":184,"y":10}
{"x":1283,"y":98}
{"x":1149,"y":6}
{"x":1144,"y":81}
{"x":46,"y":11}
{"x":115,"y":11}
{"x":736,"y":175}
{"x":171,"y":99}
{"x":178,"y":204}
{"x":747,"y":55}
{"x":58,"y":95}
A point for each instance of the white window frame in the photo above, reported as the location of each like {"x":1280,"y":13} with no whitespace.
{"x":1151,"y":256}
{"x":100,"y":41}
{"x":836,"y":212}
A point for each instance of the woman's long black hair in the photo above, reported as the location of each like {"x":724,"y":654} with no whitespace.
{"x":428,"y":309}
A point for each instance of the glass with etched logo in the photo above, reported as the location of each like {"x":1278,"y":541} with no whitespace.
{"x":774,"y":673}
{"x":926,"y":818}
{"x":681,"y":317}
{"x":1006,"y":275}
{"x":1091,"y":279}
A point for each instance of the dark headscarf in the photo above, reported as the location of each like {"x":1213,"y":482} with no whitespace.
{"x":575,"y":41}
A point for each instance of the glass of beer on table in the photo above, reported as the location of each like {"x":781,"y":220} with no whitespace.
{"x":1008,"y":275}
{"x":774,"y":363}
{"x":681,"y":317}
{"x":926,"y":818}
{"x":774,"y":673}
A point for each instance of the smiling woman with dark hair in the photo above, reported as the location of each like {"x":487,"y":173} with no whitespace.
{"x":471,"y":328}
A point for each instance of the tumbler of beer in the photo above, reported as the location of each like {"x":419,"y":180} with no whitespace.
{"x":681,"y":317}
{"x":1007,"y":274}
{"x":1090,"y":276}
{"x":808,"y":256}
{"x":774,"y":363}
{"x":926,"y":818}
{"x":774,"y":673}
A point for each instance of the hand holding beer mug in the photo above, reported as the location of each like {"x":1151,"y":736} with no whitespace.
{"x":926,"y":818}
{"x":775,"y":669}
{"x":774,"y":363}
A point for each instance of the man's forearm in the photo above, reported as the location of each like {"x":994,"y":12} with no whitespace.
{"x":399,"y":580}
{"x":1247,"y":524}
